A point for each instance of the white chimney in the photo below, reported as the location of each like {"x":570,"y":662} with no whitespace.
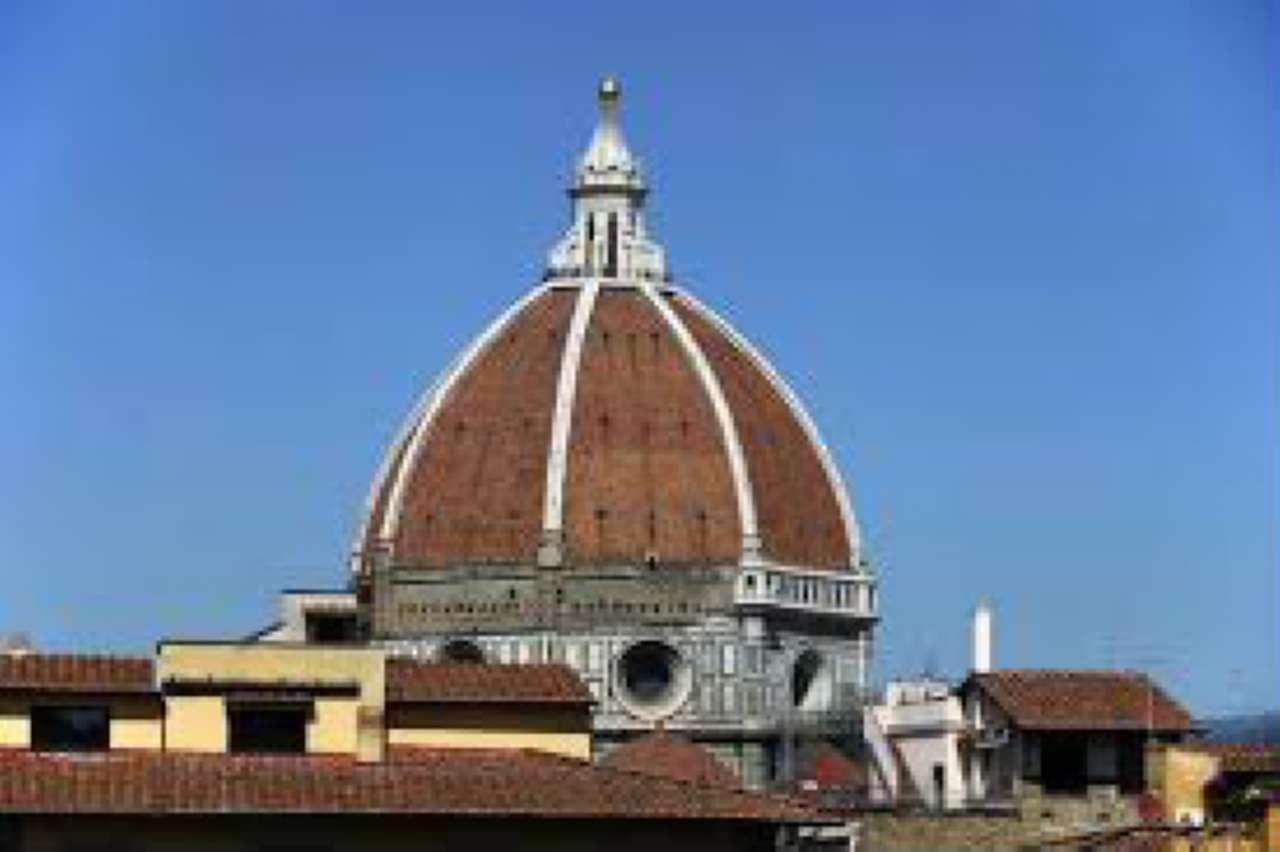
{"x":982,"y":637}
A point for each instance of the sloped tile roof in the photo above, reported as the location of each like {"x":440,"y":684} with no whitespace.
{"x":79,"y":673}
{"x":664,"y":755}
{"x":1065,"y":699}
{"x":445,"y":782}
{"x":413,"y":681}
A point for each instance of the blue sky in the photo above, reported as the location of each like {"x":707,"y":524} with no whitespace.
{"x":1020,"y":259}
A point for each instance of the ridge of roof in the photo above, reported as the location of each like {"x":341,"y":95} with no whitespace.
{"x":1080,"y":699}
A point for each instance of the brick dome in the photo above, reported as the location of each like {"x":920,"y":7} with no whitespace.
{"x":608,"y":418}
{"x":604,"y":425}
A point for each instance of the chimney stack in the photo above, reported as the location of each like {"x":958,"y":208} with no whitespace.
{"x":982,"y":637}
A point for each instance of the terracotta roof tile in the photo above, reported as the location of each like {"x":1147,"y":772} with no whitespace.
{"x":1061,"y":699}
{"x":647,"y":468}
{"x":411,"y":680}
{"x":663,"y":755}
{"x":412,"y":781}
{"x":82,"y":673}
{"x":474,"y":493}
{"x":647,"y":471}
{"x":797,"y":508}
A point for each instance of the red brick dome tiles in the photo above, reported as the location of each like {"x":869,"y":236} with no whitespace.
{"x":677,"y":445}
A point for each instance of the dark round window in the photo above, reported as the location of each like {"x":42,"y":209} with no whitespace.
{"x":649,"y":672}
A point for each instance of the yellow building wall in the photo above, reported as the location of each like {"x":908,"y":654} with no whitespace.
{"x":332,"y":728}
{"x":275,"y":663}
{"x":199,"y":723}
{"x":137,"y":733}
{"x":195,"y":723}
{"x":15,"y":724}
{"x":135,"y":722}
{"x":556,"y":730}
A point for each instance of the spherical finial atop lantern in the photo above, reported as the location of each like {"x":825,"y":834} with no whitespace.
{"x":609,"y":93}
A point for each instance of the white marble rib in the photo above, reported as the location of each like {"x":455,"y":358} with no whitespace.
{"x":551,"y":551}
{"x":434,"y":399}
{"x":798,"y":410}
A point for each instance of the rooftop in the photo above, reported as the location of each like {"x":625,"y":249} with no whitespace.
{"x":1074,"y":699}
{"x":406,"y":680}
{"x":463,"y":782}
{"x":82,"y":673}
{"x":663,"y":755}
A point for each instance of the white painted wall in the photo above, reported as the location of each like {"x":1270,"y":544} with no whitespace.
{"x":922,"y":721}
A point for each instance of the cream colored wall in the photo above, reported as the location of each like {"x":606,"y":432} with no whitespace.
{"x":333,"y":725}
{"x":1178,"y":776}
{"x":15,"y":724}
{"x":135,"y":722}
{"x":195,"y":723}
{"x":570,"y":745}
{"x":137,"y":733}
{"x":558,"y":730}
{"x":198,"y":723}
{"x":275,"y":663}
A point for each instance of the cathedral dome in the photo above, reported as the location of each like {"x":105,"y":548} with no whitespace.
{"x":608,"y":418}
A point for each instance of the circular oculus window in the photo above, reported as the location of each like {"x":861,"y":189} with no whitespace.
{"x":652,"y":679}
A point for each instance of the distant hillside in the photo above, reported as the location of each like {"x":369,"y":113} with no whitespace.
{"x":1257,"y":728}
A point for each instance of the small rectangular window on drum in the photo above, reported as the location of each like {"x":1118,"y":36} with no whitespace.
{"x":707,"y":661}
{"x":728,"y":660}
{"x":730,"y":698}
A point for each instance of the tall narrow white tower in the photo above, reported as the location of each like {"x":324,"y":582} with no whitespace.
{"x":982,"y":636}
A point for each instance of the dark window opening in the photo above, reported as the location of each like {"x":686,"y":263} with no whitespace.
{"x":70,"y":728}
{"x":1063,"y":766}
{"x":331,"y":628}
{"x":462,"y":651}
{"x":648,"y":672}
{"x":1131,"y":764}
{"x":611,"y":257}
{"x":591,"y":243}
{"x":804,"y":677}
{"x":267,"y":730}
